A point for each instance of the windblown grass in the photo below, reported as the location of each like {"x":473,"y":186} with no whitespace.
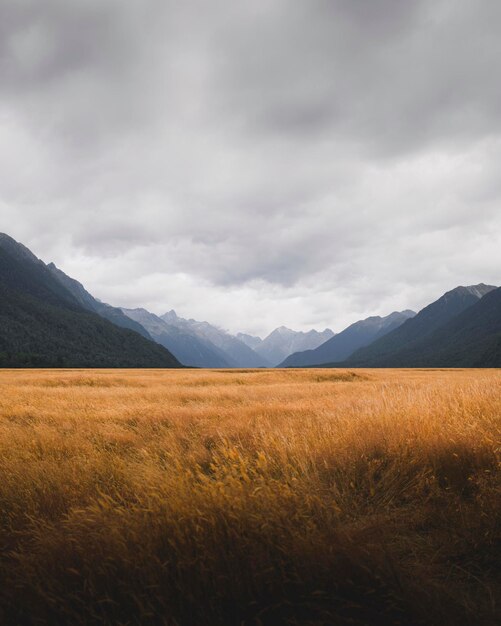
{"x":215,"y":498}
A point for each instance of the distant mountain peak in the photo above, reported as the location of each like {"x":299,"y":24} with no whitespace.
{"x":138,"y":309}
{"x":281,"y":330}
{"x":480,"y":290}
{"x":249,"y":340}
{"x":283,"y":341}
{"x":341,"y":346}
{"x":237,"y":352}
{"x":170,"y":316}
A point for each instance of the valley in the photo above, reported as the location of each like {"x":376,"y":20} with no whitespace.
{"x":48,"y":319}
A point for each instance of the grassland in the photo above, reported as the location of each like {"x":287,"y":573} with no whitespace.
{"x":215,"y":498}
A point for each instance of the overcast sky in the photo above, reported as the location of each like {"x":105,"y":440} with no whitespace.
{"x":253,"y":164}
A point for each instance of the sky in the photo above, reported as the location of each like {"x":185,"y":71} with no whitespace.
{"x":255,"y":164}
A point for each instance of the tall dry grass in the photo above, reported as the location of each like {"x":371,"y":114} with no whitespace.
{"x":214,"y":498}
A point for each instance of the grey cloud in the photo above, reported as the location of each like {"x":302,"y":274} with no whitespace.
{"x":313,"y":157}
{"x":390,"y":85}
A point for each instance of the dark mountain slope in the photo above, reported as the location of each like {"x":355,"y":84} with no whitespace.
{"x":470,"y":339}
{"x":87,"y":301}
{"x":397,"y":346}
{"x":43,"y":325}
{"x":342,"y":345}
{"x":187,"y":347}
{"x":21,"y":271}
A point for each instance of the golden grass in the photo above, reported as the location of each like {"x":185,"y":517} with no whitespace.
{"x":214,"y":498}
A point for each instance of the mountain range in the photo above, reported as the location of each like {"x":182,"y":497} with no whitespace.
{"x":186,"y":345}
{"x":236,"y":352}
{"x":283,"y":341}
{"x":48,"y":319}
{"x":42,"y":324}
{"x":64,"y":325}
{"x":342,"y":345}
{"x":460,"y":329}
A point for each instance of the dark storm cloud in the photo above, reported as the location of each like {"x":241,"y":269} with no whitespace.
{"x":307,"y":161}
{"x":389,"y":75}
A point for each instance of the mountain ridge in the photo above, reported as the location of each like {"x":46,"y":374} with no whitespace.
{"x":43,"y":325}
{"x":187,"y":347}
{"x":283,"y":341}
{"x":424,"y":333}
{"x":87,"y":301}
{"x":239,"y":354}
{"x":427,"y":320}
{"x":343,"y":344}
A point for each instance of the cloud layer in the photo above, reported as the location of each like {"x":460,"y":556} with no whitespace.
{"x":255,"y":164}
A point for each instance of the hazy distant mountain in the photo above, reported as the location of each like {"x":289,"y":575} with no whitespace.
{"x":342,"y":345}
{"x":415,"y":342}
{"x":283,"y":341}
{"x":43,"y":325}
{"x":87,"y":301}
{"x":249,"y":340}
{"x":236,"y":352}
{"x":188,"y":347}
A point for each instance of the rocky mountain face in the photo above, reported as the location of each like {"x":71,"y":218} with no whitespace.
{"x":342,"y":345}
{"x":42,"y":324}
{"x":249,"y":340}
{"x":283,"y":341}
{"x":236,"y":352}
{"x":187,"y":346}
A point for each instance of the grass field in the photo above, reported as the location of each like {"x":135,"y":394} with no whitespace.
{"x":215,"y":498}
